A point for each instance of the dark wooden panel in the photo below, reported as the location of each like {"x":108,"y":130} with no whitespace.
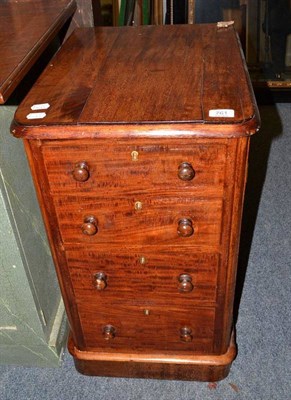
{"x":225,"y":82}
{"x":47,"y":208}
{"x":111,"y":75}
{"x":119,"y":222}
{"x":146,"y":64}
{"x":143,"y":275}
{"x":112,"y":170}
{"x":160,"y":330}
{"x":27,"y":27}
{"x":70,"y":76}
{"x":190,"y":367}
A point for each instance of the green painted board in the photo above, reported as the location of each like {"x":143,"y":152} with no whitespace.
{"x":33,"y":326}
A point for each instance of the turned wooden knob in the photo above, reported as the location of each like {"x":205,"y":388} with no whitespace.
{"x":89,"y":226}
{"x":185,"y":227}
{"x":186,"y":334}
{"x":185,"y":283}
{"x":81,"y":172}
{"x":186,"y":171}
{"x":109,"y":332}
{"x":100,"y":280}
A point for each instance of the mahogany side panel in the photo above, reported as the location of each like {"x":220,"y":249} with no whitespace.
{"x":240,"y":178}
{"x":36,"y":164}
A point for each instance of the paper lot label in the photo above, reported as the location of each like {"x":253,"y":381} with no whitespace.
{"x":221,"y":113}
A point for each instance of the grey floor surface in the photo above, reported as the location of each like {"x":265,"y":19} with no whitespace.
{"x":262,"y":369}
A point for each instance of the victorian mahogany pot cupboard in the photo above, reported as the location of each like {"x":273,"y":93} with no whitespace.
{"x":137,"y":139}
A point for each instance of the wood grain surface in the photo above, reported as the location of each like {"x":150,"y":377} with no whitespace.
{"x":144,"y":273}
{"x":111,"y":76}
{"x":27,"y":27}
{"x":154,"y":227}
{"x":118,"y":221}
{"x":158,"y":331}
{"x":112,"y":170}
{"x":154,"y":365}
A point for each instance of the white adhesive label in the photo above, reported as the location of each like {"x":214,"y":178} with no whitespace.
{"x":39,"y":115}
{"x":43,"y":106}
{"x":221,"y":113}
{"x":8,"y":328}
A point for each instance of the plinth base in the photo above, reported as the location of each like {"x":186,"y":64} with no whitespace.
{"x":207,"y":368}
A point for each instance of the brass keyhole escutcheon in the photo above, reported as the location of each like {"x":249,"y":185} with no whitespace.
{"x":134,"y":155}
{"x":142,"y":260}
{"x":138,"y":205}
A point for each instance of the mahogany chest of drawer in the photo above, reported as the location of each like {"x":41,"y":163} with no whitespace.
{"x":138,"y":141}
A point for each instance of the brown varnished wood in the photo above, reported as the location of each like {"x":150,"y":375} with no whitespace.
{"x":154,"y":370}
{"x":240,"y":178}
{"x":144,"y":288}
{"x":157,"y":331}
{"x":37,"y":155}
{"x":35,"y":160}
{"x":142,"y":192}
{"x":159,"y":220}
{"x":164,"y":357}
{"x":144,"y":273}
{"x":149,"y":56}
{"x":135,"y":65}
{"x":181,"y":131}
{"x":112,"y":169}
{"x":71,"y":76}
{"x":27,"y":27}
{"x":222,"y":73}
{"x":231,"y":155}
{"x":155,"y":366}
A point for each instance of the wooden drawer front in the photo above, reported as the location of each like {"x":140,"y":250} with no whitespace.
{"x":111,"y":168}
{"x":135,"y":329}
{"x":163,"y":276}
{"x":118,"y":221}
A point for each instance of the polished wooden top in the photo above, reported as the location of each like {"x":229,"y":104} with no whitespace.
{"x":27,"y":27}
{"x":145,"y":75}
